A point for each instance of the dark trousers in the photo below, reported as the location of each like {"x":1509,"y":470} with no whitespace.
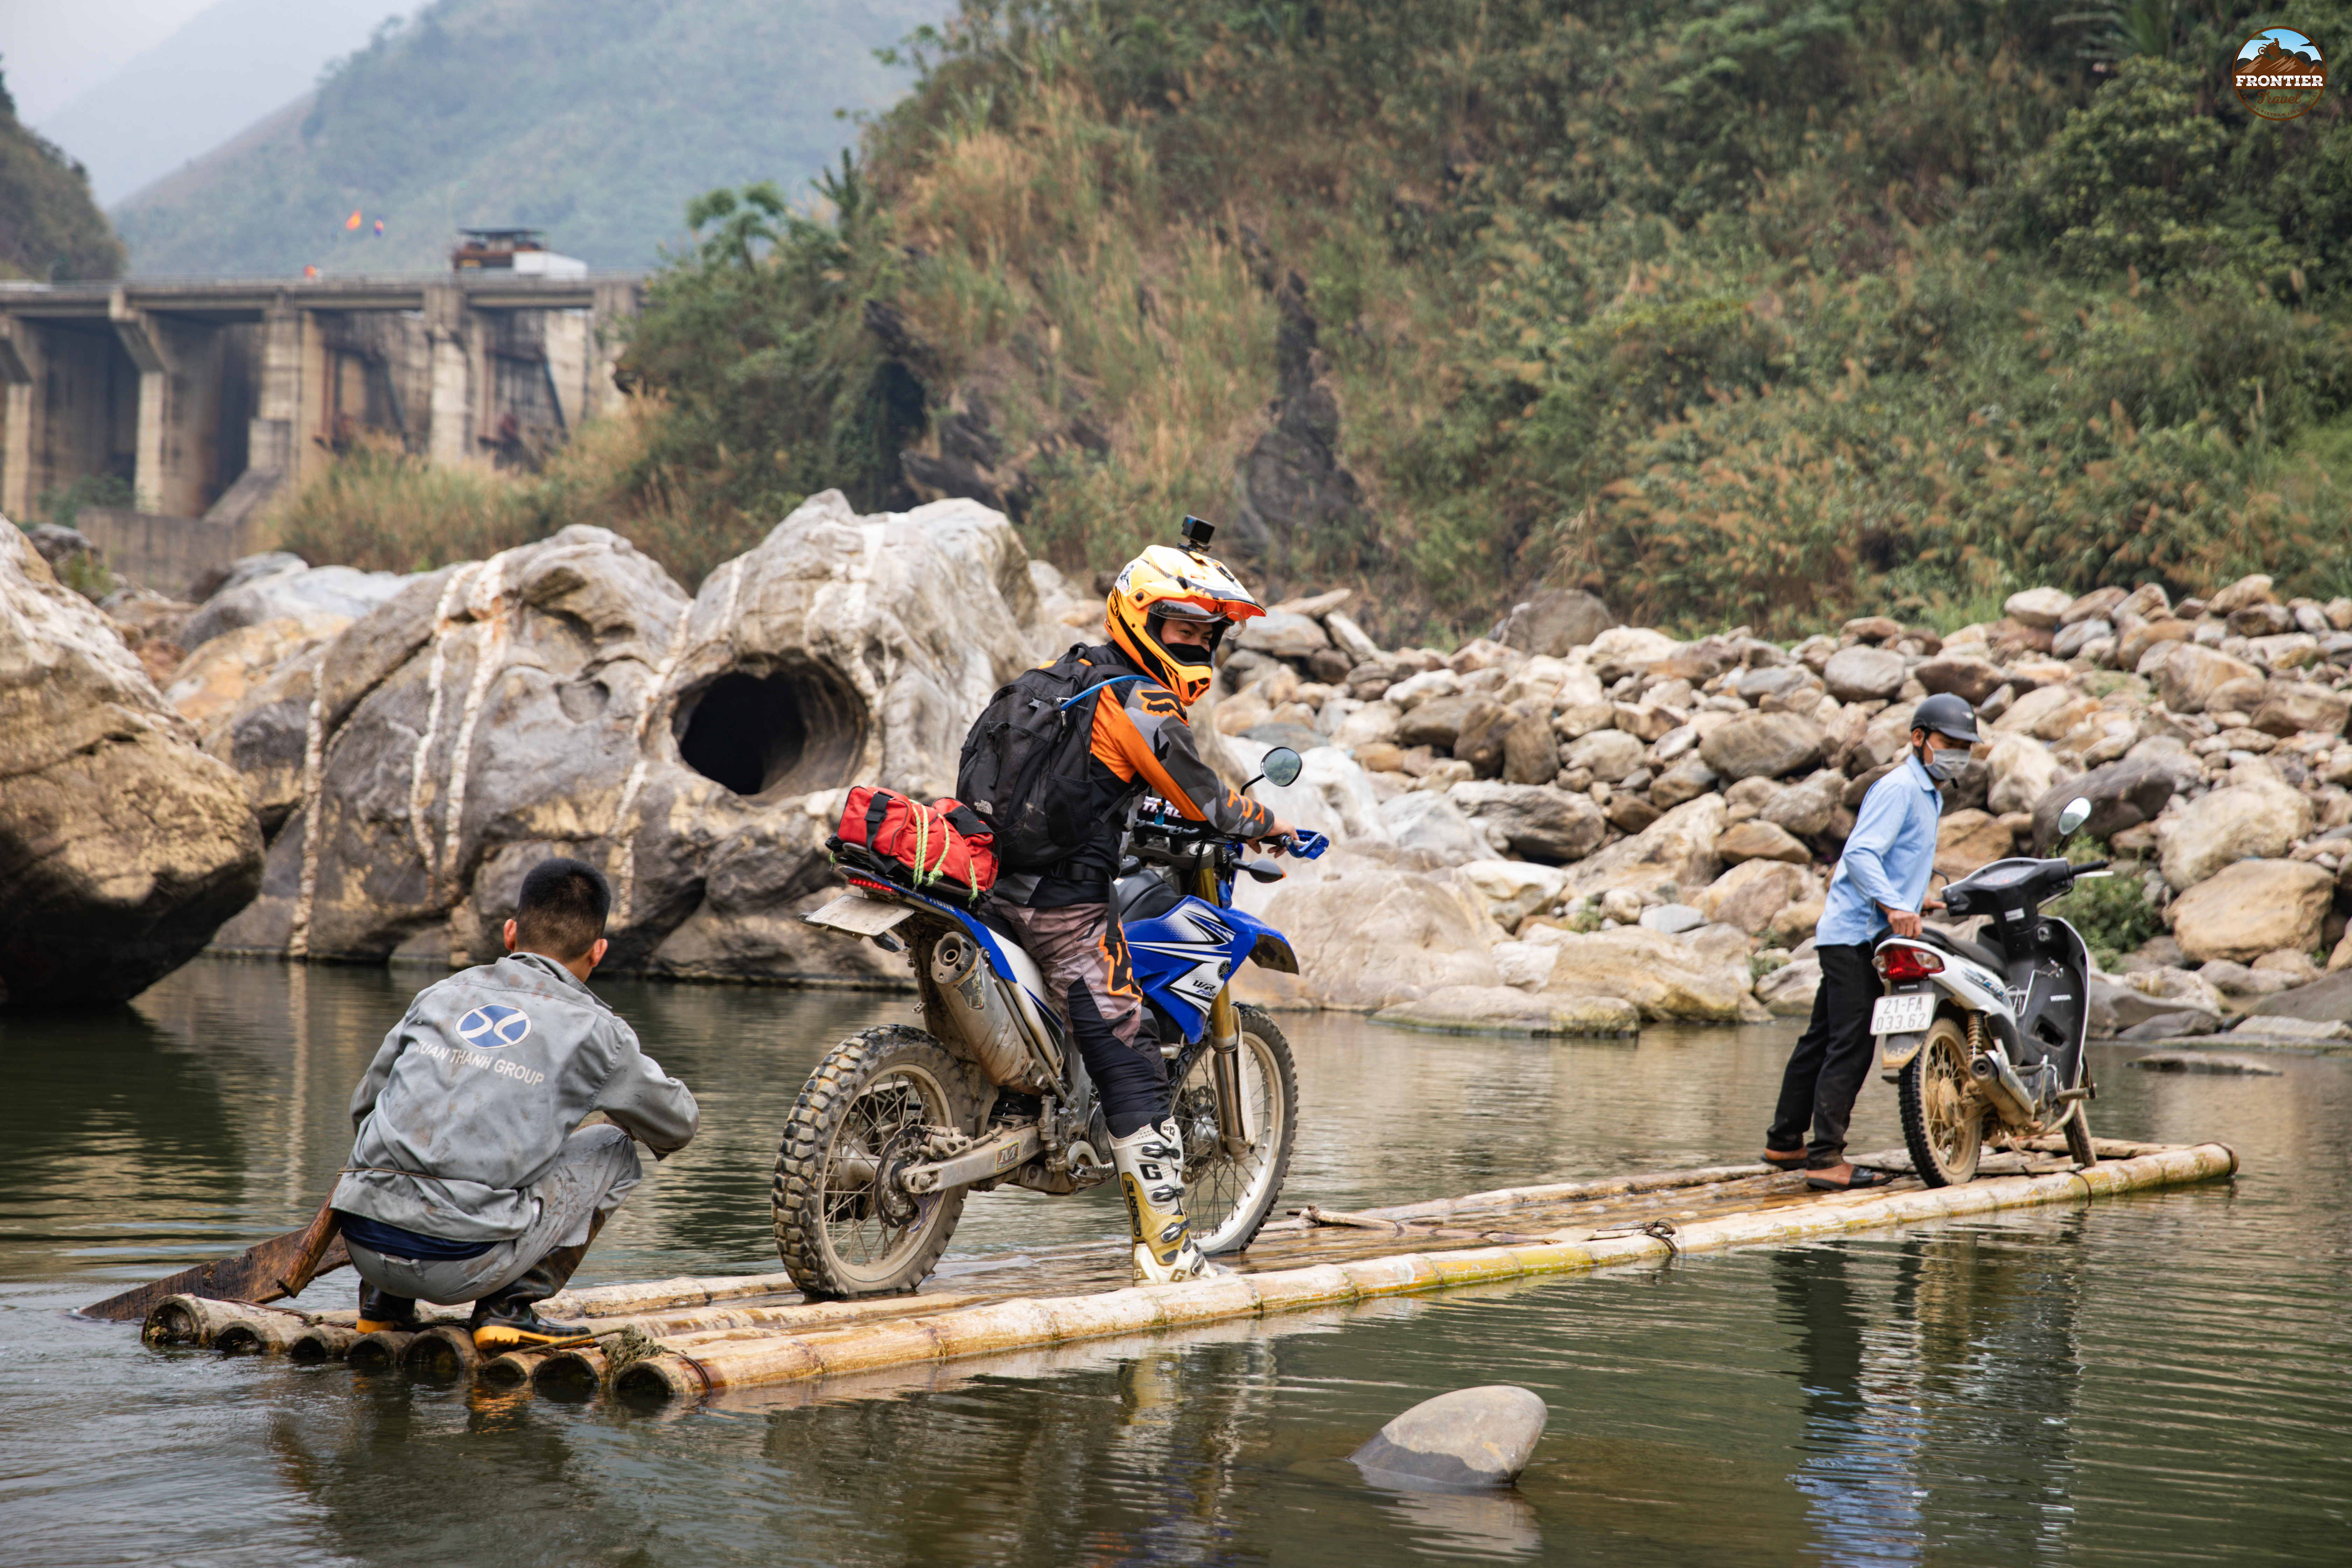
{"x":1826,"y":1070}
{"x":1082,"y":954}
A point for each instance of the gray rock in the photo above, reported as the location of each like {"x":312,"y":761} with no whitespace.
{"x":58,"y":544}
{"x":122,"y":847}
{"x":1554,"y":620}
{"x":1535,"y":822}
{"x":1470,"y":1439}
{"x":311,"y":593}
{"x":250,"y":568}
{"x":1861,"y":673}
{"x":1426,"y":820}
{"x":1764,"y":745}
{"x":1773,"y":681}
{"x":1298,"y":737}
{"x":2173,"y":1025}
{"x":1672,"y":919}
{"x":1687,"y":779}
{"x":1284,"y":635}
{"x":1610,"y":754}
{"x":2324,"y":999}
{"x":1970,"y":679}
{"x":1438,"y":721}
{"x":2204,"y":1062}
{"x":2121,"y":794}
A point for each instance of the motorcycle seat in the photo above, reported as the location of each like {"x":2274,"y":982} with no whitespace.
{"x":1974,"y":952}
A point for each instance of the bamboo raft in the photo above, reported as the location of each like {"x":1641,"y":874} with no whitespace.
{"x":682,"y":1339}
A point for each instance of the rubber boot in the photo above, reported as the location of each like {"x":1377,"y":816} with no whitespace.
{"x":1150,"y":1163}
{"x":378,"y":1311}
{"x":504,"y":1320}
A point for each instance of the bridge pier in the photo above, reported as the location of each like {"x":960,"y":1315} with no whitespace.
{"x":209,"y":399}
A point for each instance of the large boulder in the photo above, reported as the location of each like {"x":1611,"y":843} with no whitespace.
{"x":2190,"y":674}
{"x":566,"y":697}
{"x":1511,"y":890}
{"x":1283,"y":633}
{"x":1678,"y":850}
{"x":1536,"y":822}
{"x":1970,"y":679}
{"x":2254,"y":817}
{"x":1427,"y":821}
{"x":2290,"y":707}
{"x":1758,"y":839}
{"x":1554,"y":620}
{"x":1764,"y":745}
{"x":2253,"y":906}
{"x":1753,"y":893}
{"x":2021,"y":771}
{"x":1368,"y":936}
{"x":1664,"y":976}
{"x":1968,"y":839}
{"x":2326,"y":1000}
{"x":1861,"y":673}
{"x":209,"y":684}
{"x":2121,"y":794}
{"x":1788,"y":992}
{"x":1333,"y":795}
{"x":122,"y":847}
{"x":284,"y":589}
{"x":1608,"y":755}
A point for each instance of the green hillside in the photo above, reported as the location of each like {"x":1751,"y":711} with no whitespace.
{"x":50,"y":227}
{"x":592,"y":119}
{"x":1758,"y":312}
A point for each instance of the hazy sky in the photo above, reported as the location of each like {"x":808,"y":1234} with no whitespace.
{"x":56,"y":50}
{"x":135,"y":88}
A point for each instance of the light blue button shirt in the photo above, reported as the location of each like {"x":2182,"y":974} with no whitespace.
{"x":1888,"y":857}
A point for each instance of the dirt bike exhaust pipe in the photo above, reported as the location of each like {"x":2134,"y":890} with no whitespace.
{"x":2003,"y":1088}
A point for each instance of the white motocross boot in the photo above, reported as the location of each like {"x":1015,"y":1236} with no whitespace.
{"x":1151,"y":1161}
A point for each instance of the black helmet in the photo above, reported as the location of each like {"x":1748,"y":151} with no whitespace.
{"x":1946,"y":714}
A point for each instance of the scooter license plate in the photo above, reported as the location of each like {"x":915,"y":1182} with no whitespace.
{"x":1905,"y":1014}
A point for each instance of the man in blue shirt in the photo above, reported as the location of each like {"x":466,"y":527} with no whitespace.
{"x":1880,"y":885}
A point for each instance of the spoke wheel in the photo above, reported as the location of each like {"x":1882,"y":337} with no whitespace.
{"x":2079,"y":1147}
{"x":842,"y":1225}
{"x":1943,"y":1117}
{"x":1228,"y":1197}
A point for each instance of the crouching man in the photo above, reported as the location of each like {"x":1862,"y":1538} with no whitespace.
{"x":471,"y":1178}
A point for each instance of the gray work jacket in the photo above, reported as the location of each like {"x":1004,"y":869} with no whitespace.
{"x":470,"y":1098}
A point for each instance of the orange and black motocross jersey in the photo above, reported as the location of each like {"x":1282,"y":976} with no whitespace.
{"x":1140,"y":744}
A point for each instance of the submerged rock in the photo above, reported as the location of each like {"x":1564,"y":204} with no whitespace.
{"x":1470,"y":1438}
{"x":2204,"y":1062}
{"x":122,"y":847}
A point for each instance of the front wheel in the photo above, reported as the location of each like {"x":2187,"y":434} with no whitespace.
{"x":2079,"y":1147}
{"x":843,"y":1227}
{"x":1227,"y":1197}
{"x":1943,"y":1119}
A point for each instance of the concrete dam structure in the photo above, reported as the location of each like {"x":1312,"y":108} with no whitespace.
{"x":208,"y":397}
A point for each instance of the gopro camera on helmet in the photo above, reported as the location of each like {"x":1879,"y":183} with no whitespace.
{"x":1198,"y":531}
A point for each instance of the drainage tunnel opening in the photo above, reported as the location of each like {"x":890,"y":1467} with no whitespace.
{"x":783,"y":734}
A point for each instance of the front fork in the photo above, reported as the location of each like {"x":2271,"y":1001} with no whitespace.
{"x":1224,"y":1047}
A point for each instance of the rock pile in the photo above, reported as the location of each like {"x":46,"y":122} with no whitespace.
{"x":1570,"y":824}
{"x":1636,"y":819}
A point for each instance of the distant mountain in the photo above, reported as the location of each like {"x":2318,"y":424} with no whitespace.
{"x":593,"y":119}
{"x":49,"y":226}
{"x":204,"y":84}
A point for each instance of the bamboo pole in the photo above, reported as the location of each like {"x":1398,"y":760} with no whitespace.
{"x":575,"y":1373}
{"x":378,"y":1352}
{"x":200,"y":1319}
{"x":442,"y":1354}
{"x":738,"y":1360}
{"x":322,"y":1342}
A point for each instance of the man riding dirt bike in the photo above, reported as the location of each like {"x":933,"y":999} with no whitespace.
{"x":1059,"y":823}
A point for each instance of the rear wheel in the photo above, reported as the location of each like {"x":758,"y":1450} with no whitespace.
{"x":1943,"y":1119}
{"x":2079,"y":1147}
{"x":1227,"y":1197}
{"x":843,"y":1226}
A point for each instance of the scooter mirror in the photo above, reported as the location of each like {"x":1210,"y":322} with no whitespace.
{"x":1281,"y":767}
{"x":2077,"y":812}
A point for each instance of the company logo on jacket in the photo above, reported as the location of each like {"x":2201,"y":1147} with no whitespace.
{"x":489,"y":1028}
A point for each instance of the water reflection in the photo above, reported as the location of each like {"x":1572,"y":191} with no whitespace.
{"x":2153,"y":1378}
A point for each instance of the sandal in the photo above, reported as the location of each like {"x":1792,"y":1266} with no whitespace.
{"x":1795,"y":1161}
{"x":1863,"y":1176}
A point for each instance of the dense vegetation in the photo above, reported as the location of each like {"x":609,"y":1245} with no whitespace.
{"x":1758,"y":311}
{"x":50,"y":227}
{"x":592,"y":119}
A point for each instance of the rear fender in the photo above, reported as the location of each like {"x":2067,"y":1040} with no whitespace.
{"x":1954,"y":995}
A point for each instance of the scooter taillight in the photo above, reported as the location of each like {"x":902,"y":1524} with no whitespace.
{"x":1909,"y":963}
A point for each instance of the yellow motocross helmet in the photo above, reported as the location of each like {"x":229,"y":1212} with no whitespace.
{"x":1167,"y":582}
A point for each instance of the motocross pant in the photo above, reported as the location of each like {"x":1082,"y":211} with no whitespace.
{"x":1831,"y":1058}
{"x":1089,"y":979}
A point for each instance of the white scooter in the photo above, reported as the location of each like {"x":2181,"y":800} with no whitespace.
{"x":1983,"y":1039}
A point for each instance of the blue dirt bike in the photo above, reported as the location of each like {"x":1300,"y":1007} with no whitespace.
{"x":898,"y":1124}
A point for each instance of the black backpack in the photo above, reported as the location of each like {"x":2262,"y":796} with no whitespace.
{"x":1025,"y":764}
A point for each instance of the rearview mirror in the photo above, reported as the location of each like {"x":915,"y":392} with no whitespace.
{"x":2077,"y":812}
{"x":1281,"y":767}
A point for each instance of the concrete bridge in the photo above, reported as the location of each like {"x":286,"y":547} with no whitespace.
{"x":209,"y":397}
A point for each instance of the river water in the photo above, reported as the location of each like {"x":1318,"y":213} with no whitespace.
{"x":2163,"y":1378}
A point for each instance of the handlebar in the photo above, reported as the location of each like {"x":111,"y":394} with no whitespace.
{"x":2088,"y":867}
